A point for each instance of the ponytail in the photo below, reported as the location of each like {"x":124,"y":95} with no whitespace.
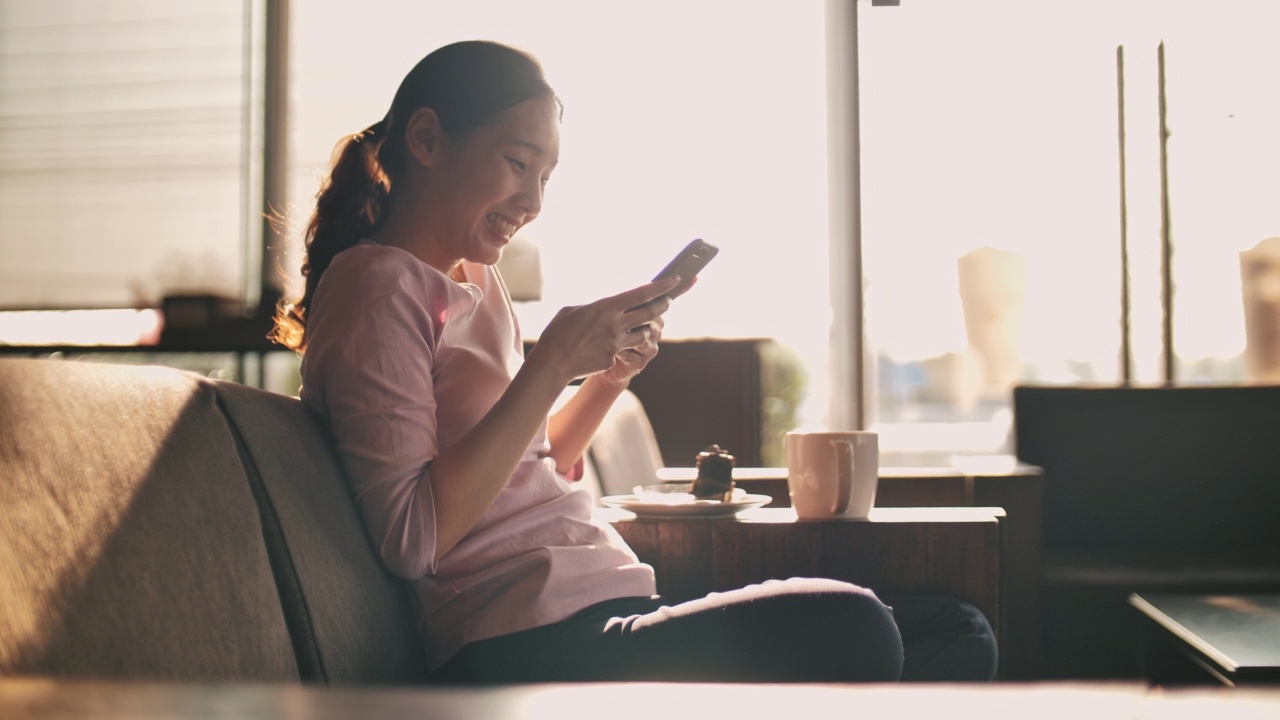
{"x":348,"y":207}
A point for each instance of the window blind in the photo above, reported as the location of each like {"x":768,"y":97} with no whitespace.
{"x":126,"y":153}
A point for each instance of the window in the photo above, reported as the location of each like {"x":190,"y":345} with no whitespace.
{"x":125,"y":150}
{"x":990,"y":175}
{"x":992,"y":201}
{"x":1224,"y":152}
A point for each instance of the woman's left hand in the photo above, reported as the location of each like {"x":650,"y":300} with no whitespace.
{"x":629,"y":362}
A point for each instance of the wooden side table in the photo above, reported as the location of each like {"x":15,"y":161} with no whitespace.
{"x":982,"y":482}
{"x":1197,"y":639}
{"x":952,"y":551}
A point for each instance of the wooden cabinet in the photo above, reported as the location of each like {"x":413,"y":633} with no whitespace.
{"x":699,"y":392}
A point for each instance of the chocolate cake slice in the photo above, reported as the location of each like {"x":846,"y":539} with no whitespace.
{"x":715,"y":475}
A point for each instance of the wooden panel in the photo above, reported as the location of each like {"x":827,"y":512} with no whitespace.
{"x":953,"y":551}
{"x":751,"y":553}
{"x":890,"y":491}
{"x":699,"y":392}
{"x":936,"y":491}
{"x":897,"y":487}
{"x":679,"y":553}
{"x":1022,"y":497}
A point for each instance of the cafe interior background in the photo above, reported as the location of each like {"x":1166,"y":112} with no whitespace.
{"x":965,"y":158}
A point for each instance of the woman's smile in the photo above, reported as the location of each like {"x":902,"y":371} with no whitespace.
{"x":501,"y":225}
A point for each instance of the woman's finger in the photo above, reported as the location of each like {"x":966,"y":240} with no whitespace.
{"x":638,"y":296}
{"x":636,"y":336}
{"x":647,"y":313}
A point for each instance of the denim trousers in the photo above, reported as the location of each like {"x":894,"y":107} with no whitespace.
{"x":795,"y":630}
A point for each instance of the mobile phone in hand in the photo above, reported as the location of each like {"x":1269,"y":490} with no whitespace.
{"x":687,"y":264}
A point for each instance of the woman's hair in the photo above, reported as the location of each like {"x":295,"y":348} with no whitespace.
{"x":468,"y":85}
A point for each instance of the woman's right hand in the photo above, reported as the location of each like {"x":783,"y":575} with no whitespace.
{"x":584,"y":339}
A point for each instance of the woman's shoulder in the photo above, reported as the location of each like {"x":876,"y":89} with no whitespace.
{"x":370,"y":279}
{"x":371,"y":270}
{"x":383,"y":261}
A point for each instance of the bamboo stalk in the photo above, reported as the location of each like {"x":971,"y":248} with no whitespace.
{"x":1126,"y":347}
{"x":1166,"y":233}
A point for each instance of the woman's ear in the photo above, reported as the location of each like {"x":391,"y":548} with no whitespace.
{"x":423,"y":136}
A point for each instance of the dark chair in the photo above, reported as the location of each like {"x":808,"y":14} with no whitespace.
{"x":1158,"y":489}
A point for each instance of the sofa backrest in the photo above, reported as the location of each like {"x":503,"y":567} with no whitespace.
{"x":130,"y":542}
{"x":157,"y":525}
{"x":351,"y":622}
{"x":1184,"y":469}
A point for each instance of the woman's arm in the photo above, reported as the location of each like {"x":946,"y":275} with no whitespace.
{"x":584,"y":340}
{"x":570,"y":429}
{"x":467,"y":477}
{"x":370,"y":358}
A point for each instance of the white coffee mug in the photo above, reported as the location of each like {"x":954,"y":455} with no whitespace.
{"x":833,"y":474}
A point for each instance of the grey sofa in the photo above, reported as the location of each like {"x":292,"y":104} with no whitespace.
{"x":156,"y":525}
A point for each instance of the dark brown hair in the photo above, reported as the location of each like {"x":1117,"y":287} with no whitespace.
{"x":468,"y":84}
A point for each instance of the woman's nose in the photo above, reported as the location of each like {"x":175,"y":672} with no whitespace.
{"x":531,"y":198}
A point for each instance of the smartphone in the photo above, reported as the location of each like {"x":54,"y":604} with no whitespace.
{"x":688,"y":264}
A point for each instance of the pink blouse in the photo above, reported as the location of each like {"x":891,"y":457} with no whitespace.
{"x":403,"y":362}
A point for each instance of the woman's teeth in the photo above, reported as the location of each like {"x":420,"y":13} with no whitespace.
{"x":497,"y":222}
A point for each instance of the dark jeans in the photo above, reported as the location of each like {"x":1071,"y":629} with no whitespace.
{"x":797,"y":630}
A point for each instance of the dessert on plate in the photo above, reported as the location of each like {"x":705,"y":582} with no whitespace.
{"x":715,"y":475}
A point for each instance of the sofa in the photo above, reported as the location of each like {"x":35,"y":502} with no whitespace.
{"x":157,"y":525}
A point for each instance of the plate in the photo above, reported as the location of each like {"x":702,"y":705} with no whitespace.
{"x":644,"y":505}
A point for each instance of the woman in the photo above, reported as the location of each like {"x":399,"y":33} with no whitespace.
{"x":412,"y":353}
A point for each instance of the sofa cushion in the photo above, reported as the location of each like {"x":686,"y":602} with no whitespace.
{"x":352,"y":622}
{"x":130,"y":544}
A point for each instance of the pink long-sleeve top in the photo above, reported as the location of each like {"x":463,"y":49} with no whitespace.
{"x":404,"y":361}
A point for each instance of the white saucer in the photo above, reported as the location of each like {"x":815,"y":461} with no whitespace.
{"x":691,"y":508}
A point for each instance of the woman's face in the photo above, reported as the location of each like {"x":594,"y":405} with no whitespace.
{"x":489,"y":183}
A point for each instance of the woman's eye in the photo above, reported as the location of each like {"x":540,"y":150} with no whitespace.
{"x":519,"y":166}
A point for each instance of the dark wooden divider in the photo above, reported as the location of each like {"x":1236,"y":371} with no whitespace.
{"x":1165,"y":489}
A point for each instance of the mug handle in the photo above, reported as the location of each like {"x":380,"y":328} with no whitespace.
{"x":844,"y":476}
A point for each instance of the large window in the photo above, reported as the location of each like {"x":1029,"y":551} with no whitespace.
{"x":126,"y":151}
{"x":1223,"y":70}
{"x":992,"y":200}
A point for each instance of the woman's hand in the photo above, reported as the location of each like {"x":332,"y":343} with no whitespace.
{"x":628,"y":363}
{"x":617,"y":335}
